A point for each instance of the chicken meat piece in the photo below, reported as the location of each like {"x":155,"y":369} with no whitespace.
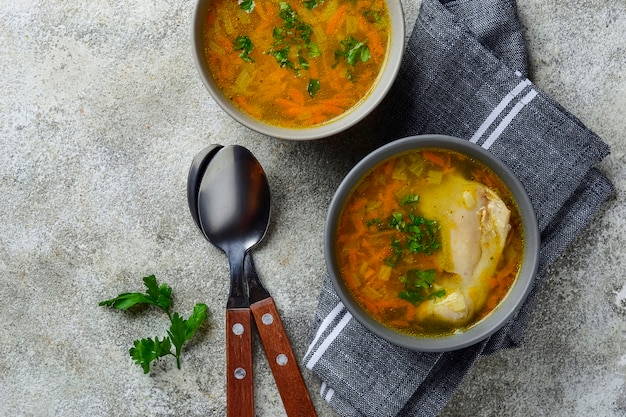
{"x":474,"y":227}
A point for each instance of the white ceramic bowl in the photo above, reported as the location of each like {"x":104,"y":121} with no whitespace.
{"x":503,"y":311}
{"x":353,"y":116}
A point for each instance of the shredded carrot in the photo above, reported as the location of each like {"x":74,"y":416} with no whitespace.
{"x":374,"y":42}
{"x":259,"y":8}
{"x":435,"y":159}
{"x":211,"y":17}
{"x":335,"y":21}
{"x":296,"y":95}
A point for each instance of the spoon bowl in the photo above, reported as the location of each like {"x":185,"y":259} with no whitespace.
{"x":234,"y":200}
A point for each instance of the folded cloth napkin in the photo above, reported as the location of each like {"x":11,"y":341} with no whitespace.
{"x":464,"y":75}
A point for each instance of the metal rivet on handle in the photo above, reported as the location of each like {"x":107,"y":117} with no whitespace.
{"x":282,"y":359}
{"x":240,"y":373}
{"x":238,"y":329}
{"x":267,"y":319}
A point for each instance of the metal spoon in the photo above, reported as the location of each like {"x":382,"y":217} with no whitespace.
{"x":283,"y":363}
{"x":257,"y":291}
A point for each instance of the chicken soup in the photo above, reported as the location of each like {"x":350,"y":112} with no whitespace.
{"x":429,"y":242}
{"x":296,"y":63}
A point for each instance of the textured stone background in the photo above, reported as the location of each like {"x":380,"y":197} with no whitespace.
{"x":101,"y":112}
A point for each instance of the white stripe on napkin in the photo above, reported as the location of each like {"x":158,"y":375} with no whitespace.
{"x":329,"y":339}
{"x":499,"y":109}
{"x":509,"y":118}
{"x":325,"y":323}
{"x":329,"y":394}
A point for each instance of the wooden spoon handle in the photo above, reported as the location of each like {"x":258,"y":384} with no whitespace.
{"x":239,"y":380}
{"x":289,"y":381}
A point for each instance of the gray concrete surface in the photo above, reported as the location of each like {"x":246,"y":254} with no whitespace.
{"x":101,"y":112}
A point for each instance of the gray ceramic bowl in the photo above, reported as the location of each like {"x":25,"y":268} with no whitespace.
{"x":507,"y":307}
{"x":386,"y":79}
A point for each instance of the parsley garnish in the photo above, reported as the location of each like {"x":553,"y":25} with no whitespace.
{"x":313,"y":50}
{"x":294,"y":34}
{"x":159,"y":296}
{"x":244,"y":44}
{"x":145,"y":351}
{"x":312,"y":4}
{"x":409,"y":199}
{"x":418,"y":286}
{"x":246,"y":5}
{"x":282,"y":57}
{"x":353,"y":51}
{"x":417,"y":234}
{"x":313,"y":87}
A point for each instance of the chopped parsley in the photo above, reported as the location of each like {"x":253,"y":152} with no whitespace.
{"x":244,"y":44}
{"x":313,"y":87}
{"x":417,"y":234}
{"x":409,"y":199}
{"x":418,"y":286}
{"x":293,"y":39}
{"x":353,"y":51}
{"x":282,"y":57}
{"x":246,"y":5}
{"x":312,"y":4}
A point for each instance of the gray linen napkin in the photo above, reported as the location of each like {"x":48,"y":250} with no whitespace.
{"x":464,"y":75}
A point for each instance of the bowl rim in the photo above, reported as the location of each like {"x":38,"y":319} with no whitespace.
{"x":505,"y":310}
{"x":343,"y":122}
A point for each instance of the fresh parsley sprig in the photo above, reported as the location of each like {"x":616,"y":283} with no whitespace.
{"x":145,"y":351}
{"x":159,"y":296}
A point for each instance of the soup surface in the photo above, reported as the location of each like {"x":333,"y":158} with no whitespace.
{"x":296,"y":63}
{"x":429,"y":242}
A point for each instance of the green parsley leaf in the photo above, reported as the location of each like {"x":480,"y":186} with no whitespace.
{"x":292,"y":41}
{"x":353,"y":51}
{"x":282,"y":57}
{"x":304,"y":63}
{"x":312,"y":4}
{"x":396,"y":221}
{"x":159,"y":296}
{"x":409,"y":199}
{"x":313,"y":87}
{"x":182,"y":330}
{"x":417,"y":234}
{"x":313,"y":50}
{"x":289,"y":15}
{"x":397,"y":253}
{"x":247,"y":5}
{"x":145,"y":351}
{"x":244,"y":44}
